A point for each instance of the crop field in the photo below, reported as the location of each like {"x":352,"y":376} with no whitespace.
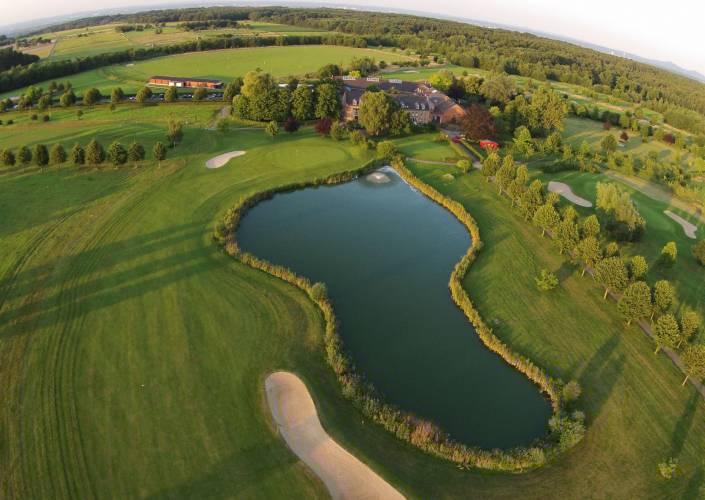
{"x":220,"y":64}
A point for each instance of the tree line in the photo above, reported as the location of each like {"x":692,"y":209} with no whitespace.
{"x":92,"y":154}
{"x":579,"y":241}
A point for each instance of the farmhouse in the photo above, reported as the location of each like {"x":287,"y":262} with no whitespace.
{"x":424,"y":103}
{"x":172,"y":81}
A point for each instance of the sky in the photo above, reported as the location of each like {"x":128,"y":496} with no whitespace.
{"x":664,"y":30}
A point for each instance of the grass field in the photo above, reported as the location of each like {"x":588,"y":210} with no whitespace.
{"x":133,"y":352}
{"x":92,"y":40}
{"x":219,"y":64}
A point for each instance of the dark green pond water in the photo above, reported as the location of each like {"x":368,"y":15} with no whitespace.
{"x":386,"y":253}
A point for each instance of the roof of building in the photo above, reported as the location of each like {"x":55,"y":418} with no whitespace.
{"x":184,"y":80}
{"x":386,"y":85}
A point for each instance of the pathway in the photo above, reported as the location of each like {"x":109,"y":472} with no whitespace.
{"x":296,"y":418}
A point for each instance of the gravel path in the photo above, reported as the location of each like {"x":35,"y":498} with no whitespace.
{"x":689,"y":229}
{"x":566,"y":192}
{"x":297,"y":420}
{"x":220,"y":160}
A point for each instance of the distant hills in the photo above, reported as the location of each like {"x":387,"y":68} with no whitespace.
{"x":24,"y":27}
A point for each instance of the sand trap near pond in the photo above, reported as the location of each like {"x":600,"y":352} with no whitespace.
{"x":220,"y":160}
{"x":689,"y":229}
{"x":297,"y":420}
{"x":566,"y":192}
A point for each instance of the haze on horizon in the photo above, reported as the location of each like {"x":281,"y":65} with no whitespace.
{"x":667,"y":32}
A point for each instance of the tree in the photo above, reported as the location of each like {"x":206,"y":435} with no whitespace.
{"x":57,"y":154}
{"x":498,"y":88}
{"x":375,"y":115}
{"x":699,"y":252}
{"x":571,"y":391}
{"x":323,"y":126}
{"x":664,"y":294}
{"x":117,"y":95}
{"x":546,"y":281}
{"x":329,"y":71}
{"x":302,"y":103}
{"x":669,"y":254}
{"x":67,"y":99}
{"x":272,"y":129}
{"x":338,"y":131}
{"x":170,"y":94}
{"x":490,"y":165}
{"x":635,"y":302}
{"x":117,"y":154}
{"x":291,"y":125}
{"x":463,"y":166}
{"x":79,"y":114}
{"x":386,"y":150}
{"x":91,"y":97}
{"x":175,"y":132}
{"x":546,"y":217}
{"x":690,"y":323}
{"x":567,"y":236}
{"x":609,"y":144}
{"x":478,"y":123}
{"x":199,"y":94}
{"x":78,"y":155}
{"x":666,"y":332}
{"x":442,"y":80}
{"x":136,"y":152}
{"x":523,"y":141}
{"x":531,"y":199}
{"x":24,"y":155}
{"x":668,"y":468}
{"x":44,"y":102}
{"x":327,"y":103}
{"x":95,"y":155}
{"x":638,"y":267}
{"x":232,"y":89}
{"x":159,"y":151}
{"x":143,"y":95}
{"x":612,"y":274}
{"x":41,"y":155}
{"x":8,"y":157}
{"x":694,"y":360}
{"x":401,"y":122}
{"x":590,"y":226}
{"x":615,"y":206}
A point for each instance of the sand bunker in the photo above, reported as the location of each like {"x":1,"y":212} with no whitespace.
{"x":378,"y":178}
{"x":567,"y":193}
{"x":688,"y":228}
{"x":220,"y":160}
{"x":297,"y":420}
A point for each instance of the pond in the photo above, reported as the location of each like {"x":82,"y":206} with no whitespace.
{"x":386,"y":253}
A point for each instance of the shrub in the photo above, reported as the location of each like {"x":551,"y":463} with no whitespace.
{"x":386,"y":150}
{"x":546,"y":281}
{"x":291,"y":124}
{"x":463,"y":165}
{"x":34,"y":117}
{"x":338,"y":131}
{"x":571,"y":391}
{"x":46,"y":118}
{"x":668,"y":468}
{"x":699,"y":252}
{"x":669,"y":254}
{"x":323,"y":126}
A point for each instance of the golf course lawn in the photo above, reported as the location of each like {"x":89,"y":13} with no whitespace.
{"x":134,"y":353}
{"x":687,"y":275}
{"x":220,"y":64}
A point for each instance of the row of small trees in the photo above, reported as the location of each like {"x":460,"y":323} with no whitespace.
{"x":92,"y":154}
{"x":579,"y":240}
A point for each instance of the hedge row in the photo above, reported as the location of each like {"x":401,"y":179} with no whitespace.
{"x":421,"y":433}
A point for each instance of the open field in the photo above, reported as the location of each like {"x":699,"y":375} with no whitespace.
{"x":220,"y":64}
{"x":98,"y":258}
{"x":82,"y":42}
